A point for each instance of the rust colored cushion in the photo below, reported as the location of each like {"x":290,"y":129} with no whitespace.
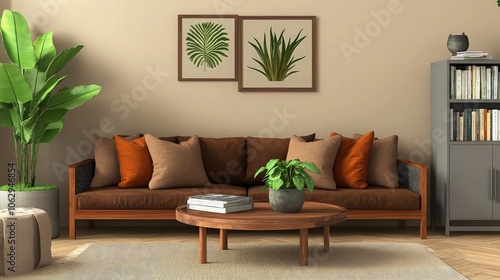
{"x":260,"y":150}
{"x":382,"y":165}
{"x":107,"y":169}
{"x":320,"y":152}
{"x":135,"y":162}
{"x":351,"y":164}
{"x":224,"y":159}
{"x":176,"y":165}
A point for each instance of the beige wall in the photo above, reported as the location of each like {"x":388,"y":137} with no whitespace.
{"x":383,"y":85}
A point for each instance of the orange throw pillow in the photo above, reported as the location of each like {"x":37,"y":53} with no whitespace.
{"x":136,"y":166}
{"x":351,"y":164}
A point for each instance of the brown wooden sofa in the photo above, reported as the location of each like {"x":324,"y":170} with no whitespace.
{"x":222,"y":157}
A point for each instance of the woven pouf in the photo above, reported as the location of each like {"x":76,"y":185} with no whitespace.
{"x":26,"y":240}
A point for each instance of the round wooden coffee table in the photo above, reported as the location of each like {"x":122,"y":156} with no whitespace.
{"x":263,"y":217}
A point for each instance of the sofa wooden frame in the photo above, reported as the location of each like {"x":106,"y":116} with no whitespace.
{"x":102,"y":214}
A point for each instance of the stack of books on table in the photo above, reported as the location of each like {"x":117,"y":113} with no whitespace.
{"x":219,"y":203}
{"x":471,"y":55}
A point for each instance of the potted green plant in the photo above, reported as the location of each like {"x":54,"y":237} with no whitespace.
{"x":286,"y":181}
{"x":31,"y":106}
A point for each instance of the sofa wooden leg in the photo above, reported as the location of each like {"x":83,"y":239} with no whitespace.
{"x":402,"y":224}
{"x":90,"y":224}
{"x":423,"y":228}
{"x":72,"y":230}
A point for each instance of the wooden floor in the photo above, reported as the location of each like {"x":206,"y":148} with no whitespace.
{"x":475,"y":255}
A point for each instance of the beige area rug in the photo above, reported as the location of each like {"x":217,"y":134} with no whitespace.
{"x":248,"y":261}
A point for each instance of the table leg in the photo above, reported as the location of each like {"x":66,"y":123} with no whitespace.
{"x":202,"y":245}
{"x":223,"y":239}
{"x":303,"y":246}
{"x":326,"y":239}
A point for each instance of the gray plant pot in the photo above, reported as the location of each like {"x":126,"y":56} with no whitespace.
{"x":45,"y":200}
{"x":286,"y":200}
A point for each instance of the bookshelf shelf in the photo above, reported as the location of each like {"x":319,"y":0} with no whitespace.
{"x":465,"y":145}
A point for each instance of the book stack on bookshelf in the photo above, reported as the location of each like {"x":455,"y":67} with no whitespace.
{"x":474,"y":82}
{"x":471,"y":55}
{"x":475,"y":125}
{"x":219,"y":203}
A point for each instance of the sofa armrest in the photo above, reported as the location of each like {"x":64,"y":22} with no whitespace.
{"x":413,"y":176}
{"x":80,"y":176}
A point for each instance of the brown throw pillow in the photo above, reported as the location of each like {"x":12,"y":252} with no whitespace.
{"x":107,"y":169}
{"x":224,"y":159}
{"x":176,"y":165}
{"x":382,"y":165}
{"x":260,"y":150}
{"x":320,"y":152}
{"x":351,"y":164}
{"x":135,"y":162}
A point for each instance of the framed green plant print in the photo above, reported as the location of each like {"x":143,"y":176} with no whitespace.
{"x":207,"y":49}
{"x":277,"y":53}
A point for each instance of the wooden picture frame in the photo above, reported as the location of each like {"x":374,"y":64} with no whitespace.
{"x":220,"y":64}
{"x":298,"y":74}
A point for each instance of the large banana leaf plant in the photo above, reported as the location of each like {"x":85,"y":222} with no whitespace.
{"x":29,"y":103}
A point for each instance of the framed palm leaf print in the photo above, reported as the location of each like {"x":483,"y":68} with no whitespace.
{"x":207,"y":48}
{"x":277,"y":53}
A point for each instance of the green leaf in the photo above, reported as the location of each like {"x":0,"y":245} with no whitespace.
{"x":274,"y":173}
{"x":17,"y":39}
{"x":52,"y":116}
{"x":45,"y":51}
{"x":276,"y":185}
{"x":259,"y":171}
{"x":310,"y":166}
{"x":13,"y":86}
{"x":309,"y":183}
{"x":42,"y":94}
{"x":50,"y":132}
{"x":5,"y":120}
{"x":299,"y":182}
{"x":61,"y":60}
{"x":271,"y":163}
{"x":72,"y":98}
{"x":293,"y":162}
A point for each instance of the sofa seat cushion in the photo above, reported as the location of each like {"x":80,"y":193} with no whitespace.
{"x":117,"y":198}
{"x":369,"y":198}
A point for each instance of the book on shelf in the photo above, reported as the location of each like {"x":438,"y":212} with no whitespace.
{"x":458,"y":84}
{"x":471,"y":58}
{"x":219,"y":200}
{"x":474,"y":124}
{"x":494,"y":83}
{"x":488,"y":125}
{"x":470,"y":55}
{"x":494,"y":125}
{"x":222,"y":210}
{"x":474,"y":82}
{"x":478,"y":83}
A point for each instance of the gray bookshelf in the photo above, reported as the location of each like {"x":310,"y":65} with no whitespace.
{"x":465,"y":175}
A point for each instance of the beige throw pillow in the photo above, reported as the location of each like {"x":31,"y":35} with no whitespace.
{"x":382,"y":165}
{"x":107,"y":169}
{"x":320,"y":152}
{"x":176,"y":165}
